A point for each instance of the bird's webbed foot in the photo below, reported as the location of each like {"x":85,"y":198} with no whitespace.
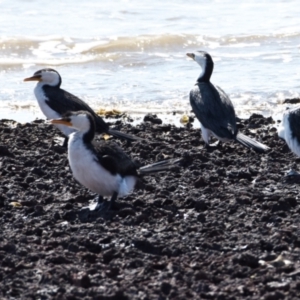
{"x":98,"y":205}
{"x":291,"y":176}
{"x":292,"y":172}
{"x":99,"y":208}
{"x":102,"y":205}
{"x":213,"y":145}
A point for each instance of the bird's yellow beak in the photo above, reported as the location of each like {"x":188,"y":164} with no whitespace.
{"x":191,"y":55}
{"x":34,"y":78}
{"x":61,"y":122}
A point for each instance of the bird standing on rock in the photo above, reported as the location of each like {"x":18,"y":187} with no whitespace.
{"x":289,"y":130}
{"x":214,"y":109}
{"x":54,"y":102}
{"x":103,"y":168}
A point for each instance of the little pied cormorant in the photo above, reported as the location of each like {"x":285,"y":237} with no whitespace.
{"x":214,"y":109}
{"x":289,"y":129}
{"x":103,"y":168}
{"x":54,"y":102}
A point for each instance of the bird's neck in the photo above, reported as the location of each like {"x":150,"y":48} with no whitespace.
{"x":206,"y":72}
{"x":78,"y":138}
{"x":44,"y":86}
{"x":41,"y":85}
{"x":86,"y":137}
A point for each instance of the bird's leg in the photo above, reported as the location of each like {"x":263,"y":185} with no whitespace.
{"x":113,"y":200}
{"x":65,"y":143}
{"x":100,"y":199}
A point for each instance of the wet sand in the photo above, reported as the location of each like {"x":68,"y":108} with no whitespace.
{"x":223,"y":225}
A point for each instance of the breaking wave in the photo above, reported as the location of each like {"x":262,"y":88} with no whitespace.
{"x":58,"y":50}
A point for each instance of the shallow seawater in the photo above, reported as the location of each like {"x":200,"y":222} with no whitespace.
{"x":131,"y":55}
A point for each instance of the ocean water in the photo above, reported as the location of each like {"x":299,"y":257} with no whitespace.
{"x":131,"y":55}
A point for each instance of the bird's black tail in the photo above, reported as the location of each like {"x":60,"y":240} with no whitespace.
{"x":122,"y":135}
{"x":162,"y":165}
{"x":102,"y":126}
{"x":251,"y":143}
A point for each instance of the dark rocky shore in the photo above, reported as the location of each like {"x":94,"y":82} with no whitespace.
{"x":223,"y":225}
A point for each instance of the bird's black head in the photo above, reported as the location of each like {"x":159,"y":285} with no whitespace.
{"x":81,"y":120}
{"x":206,"y":63}
{"x":46,"y":76}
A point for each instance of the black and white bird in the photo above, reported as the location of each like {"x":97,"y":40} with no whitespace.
{"x":104,"y":168}
{"x":289,"y":129}
{"x":54,"y":102}
{"x":214,"y":109}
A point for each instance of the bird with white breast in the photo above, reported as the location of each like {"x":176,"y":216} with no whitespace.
{"x":104,"y":168}
{"x":54,"y":102}
{"x":214,"y":109}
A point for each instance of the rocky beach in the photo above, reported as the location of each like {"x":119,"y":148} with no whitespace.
{"x":224,"y":224}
